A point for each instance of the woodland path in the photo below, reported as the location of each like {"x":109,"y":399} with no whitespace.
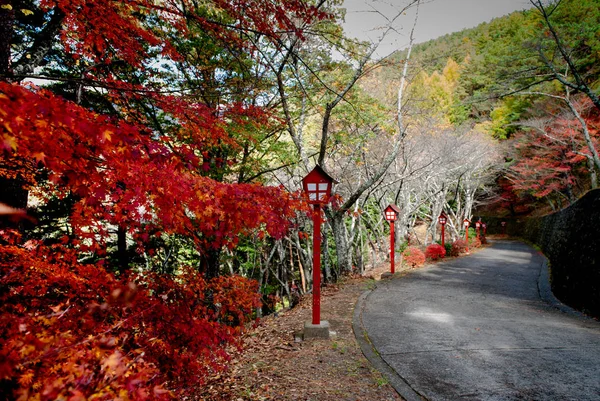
{"x":480,"y":327}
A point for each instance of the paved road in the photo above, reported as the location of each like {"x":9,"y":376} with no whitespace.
{"x":480,"y":328}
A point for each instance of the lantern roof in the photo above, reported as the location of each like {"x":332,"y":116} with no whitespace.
{"x":392,"y":208}
{"x":318,"y":174}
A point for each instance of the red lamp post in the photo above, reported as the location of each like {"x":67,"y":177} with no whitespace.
{"x":391,"y":214}
{"x":503,"y":224}
{"x":317,"y":185}
{"x":477,"y":226}
{"x":466,"y":224}
{"x":484,"y":226}
{"x":442,"y":220}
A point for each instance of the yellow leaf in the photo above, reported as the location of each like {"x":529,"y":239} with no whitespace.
{"x":26,"y":11}
{"x":107,"y":134}
{"x":40,"y":157}
{"x":6,"y":6}
{"x":112,"y":362}
{"x":26,"y":379}
{"x":10,"y":142}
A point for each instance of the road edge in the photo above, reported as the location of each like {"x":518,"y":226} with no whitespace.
{"x":546,"y":294}
{"x":369,"y":351}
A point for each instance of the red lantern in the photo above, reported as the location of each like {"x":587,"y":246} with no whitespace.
{"x":317,"y":185}
{"x":442,"y":220}
{"x":391,"y":214}
{"x":466,"y":223}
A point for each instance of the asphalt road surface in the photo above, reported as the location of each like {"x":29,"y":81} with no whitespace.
{"x":480,"y":327}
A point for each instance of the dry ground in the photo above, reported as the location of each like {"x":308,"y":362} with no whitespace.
{"x":276,"y":367}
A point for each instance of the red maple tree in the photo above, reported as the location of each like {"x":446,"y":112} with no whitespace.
{"x":133,"y":146}
{"x":552,"y":163}
{"x":143,"y":171}
{"x":72,"y":331}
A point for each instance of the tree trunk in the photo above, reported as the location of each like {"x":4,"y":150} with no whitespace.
{"x":342,"y":248}
{"x":209,"y":263}
{"x":593,"y":174}
{"x":305,"y":262}
{"x":325,"y":262}
{"x":122,"y":249}
{"x":7,"y":18}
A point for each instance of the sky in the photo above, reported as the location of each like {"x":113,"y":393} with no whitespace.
{"x":436,"y":18}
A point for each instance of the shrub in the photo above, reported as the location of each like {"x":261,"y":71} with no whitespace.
{"x":474,"y":242}
{"x":448,"y":246}
{"x":459,"y":246}
{"x":76,"y":331}
{"x":413,"y":256}
{"x":435,"y":252}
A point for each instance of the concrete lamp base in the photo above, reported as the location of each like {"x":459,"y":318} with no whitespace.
{"x":316,"y":330}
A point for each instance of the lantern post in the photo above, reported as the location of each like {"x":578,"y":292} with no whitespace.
{"x":477,"y":227}
{"x":442,"y":220}
{"x":391,"y":214}
{"x":466,"y":224}
{"x":317,"y":186}
{"x":503,"y":224}
{"x":484,"y":226}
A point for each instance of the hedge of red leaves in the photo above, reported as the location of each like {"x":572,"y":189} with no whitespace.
{"x":458,"y":247}
{"x":74,"y":332}
{"x":413,"y":256}
{"x":435,"y":252}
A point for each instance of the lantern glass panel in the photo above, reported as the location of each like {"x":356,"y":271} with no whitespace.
{"x":322,"y":191}
{"x":317,"y":191}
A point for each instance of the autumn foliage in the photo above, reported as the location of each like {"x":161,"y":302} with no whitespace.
{"x":413,"y":256}
{"x":146,"y":133}
{"x":72,"y":331}
{"x":131,"y":149}
{"x":553,"y":161}
{"x":458,"y":247}
{"x":123,"y":177}
{"x":435,"y":252}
